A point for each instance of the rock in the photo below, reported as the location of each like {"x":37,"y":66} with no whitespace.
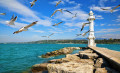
{"x":101,"y":70}
{"x":86,"y":51}
{"x":60,"y":52}
{"x":98,"y":63}
{"x":39,"y":67}
{"x":70,"y":67}
{"x":72,"y":57}
{"x":56,"y":61}
{"x":88,"y":55}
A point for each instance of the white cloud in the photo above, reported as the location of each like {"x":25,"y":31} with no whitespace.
{"x":46,"y":22}
{"x":63,"y":2}
{"x":40,"y":31}
{"x":118,"y":19}
{"x":108,"y":30}
{"x":17,"y":7}
{"x":99,"y":17}
{"x":101,"y":2}
{"x":102,"y":24}
{"x":113,"y":36}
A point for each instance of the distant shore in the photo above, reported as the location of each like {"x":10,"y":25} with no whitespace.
{"x":103,"y":41}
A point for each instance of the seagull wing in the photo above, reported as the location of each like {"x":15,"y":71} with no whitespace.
{"x":35,"y":0}
{"x":12,"y":17}
{"x":115,"y":8}
{"x":83,"y":26}
{"x":2,"y":13}
{"x":104,"y":9}
{"x":54,"y":12}
{"x":51,"y":34}
{"x":17,"y":31}
{"x":43,"y":36}
{"x":86,"y":33}
{"x":60,"y":22}
{"x":68,"y":11}
{"x":78,"y":34}
{"x":33,"y":23}
{"x":58,"y":3}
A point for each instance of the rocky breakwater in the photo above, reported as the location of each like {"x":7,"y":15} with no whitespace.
{"x":66,"y":50}
{"x":86,"y":61}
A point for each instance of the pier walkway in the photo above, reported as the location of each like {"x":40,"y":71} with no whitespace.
{"x":112,"y":56}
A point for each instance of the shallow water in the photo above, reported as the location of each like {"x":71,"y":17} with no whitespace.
{"x":17,"y":58}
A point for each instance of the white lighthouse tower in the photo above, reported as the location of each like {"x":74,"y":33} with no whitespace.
{"x":91,"y":37}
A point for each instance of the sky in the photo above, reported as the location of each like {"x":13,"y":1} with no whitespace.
{"x":107,"y":24}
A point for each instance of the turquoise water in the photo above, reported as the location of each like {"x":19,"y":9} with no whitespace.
{"x":17,"y":58}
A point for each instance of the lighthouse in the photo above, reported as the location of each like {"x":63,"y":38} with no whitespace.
{"x":91,"y":37}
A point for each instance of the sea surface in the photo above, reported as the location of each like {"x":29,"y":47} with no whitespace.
{"x":18,"y":58}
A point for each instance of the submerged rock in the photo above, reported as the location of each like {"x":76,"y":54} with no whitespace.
{"x":38,"y":68}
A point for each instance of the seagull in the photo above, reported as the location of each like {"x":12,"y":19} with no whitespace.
{"x":33,"y":2}
{"x":83,"y":26}
{"x":48,"y":36}
{"x":114,"y":8}
{"x":13,"y":19}
{"x":104,"y":9}
{"x":60,"y":11}
{"x":75,"y":15}
{"x":83,"y":34}
{"x":2,"y":13}
{"x":57,"y":23}
{"x":58,"y":3}
{"x":25,"y":28}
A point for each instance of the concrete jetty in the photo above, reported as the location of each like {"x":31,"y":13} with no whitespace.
{"x":113,"y":57}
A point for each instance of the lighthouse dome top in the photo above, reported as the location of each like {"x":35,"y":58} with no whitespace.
{"x":91,"y":13}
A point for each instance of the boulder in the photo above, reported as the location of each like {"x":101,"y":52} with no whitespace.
{"x":60,"y":52}
{"x":101,"y":70}
{"x":98,"y":63}
{"x":39,"y":67}
{"x":72,"y":57}
{"x":70,"y":67}
{"x":88,"y":55}
{"x":86,"y":51}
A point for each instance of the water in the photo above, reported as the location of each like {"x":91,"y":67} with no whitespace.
{"x":18,"y":58}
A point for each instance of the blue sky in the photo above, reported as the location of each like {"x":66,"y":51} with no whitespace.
{"x":107,"y":25}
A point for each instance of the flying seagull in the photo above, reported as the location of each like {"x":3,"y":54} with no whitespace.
{"x":83,"y":34}
{"x":25,"y":28}
{"x":33,"y":2}
{"x":48,"y":35}
{"x":58,"y":3}
{"x":2,"y":13}
{"x":83,"y":26}
{"x":13,"y":19}
{"x":75,"y":15}
{"x":61,"y":10}
{"x":57,"y":23}
{"x":114,"y":8}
